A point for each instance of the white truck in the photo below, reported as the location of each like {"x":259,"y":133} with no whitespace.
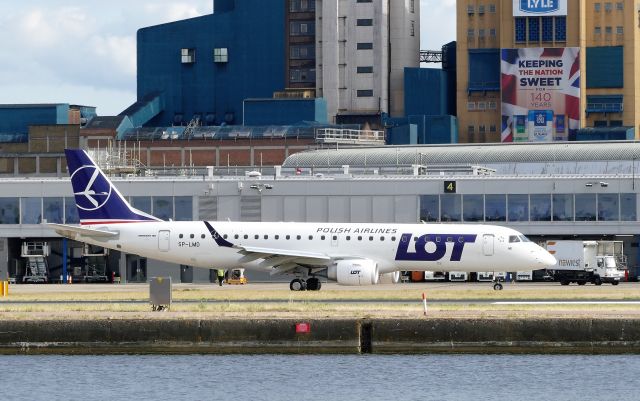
{"x":584,"y":262}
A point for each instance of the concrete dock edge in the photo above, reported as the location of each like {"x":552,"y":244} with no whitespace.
{"x":334,"y":336}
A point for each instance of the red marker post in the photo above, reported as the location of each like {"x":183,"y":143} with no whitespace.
{"x":424,"y":303}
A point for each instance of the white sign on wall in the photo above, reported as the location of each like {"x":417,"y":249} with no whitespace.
{"x":529,"y":8}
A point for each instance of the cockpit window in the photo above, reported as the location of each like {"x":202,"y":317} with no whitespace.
{"x":514,"y":238}
{"x":524,"y":239}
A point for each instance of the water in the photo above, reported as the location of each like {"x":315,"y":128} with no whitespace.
{"x":334,"y":377}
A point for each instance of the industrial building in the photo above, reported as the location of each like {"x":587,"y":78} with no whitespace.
{"x":571,"y":64}
{"x":546,"y":191}
{"x":241,"y":64}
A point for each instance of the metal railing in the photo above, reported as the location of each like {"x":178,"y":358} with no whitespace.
{"x":350,"y":136}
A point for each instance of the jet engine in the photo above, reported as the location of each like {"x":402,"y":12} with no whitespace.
{"x":390,"y":278}
{"x":354,"y":272}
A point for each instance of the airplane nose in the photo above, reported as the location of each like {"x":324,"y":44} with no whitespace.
{"x":546,"y":259}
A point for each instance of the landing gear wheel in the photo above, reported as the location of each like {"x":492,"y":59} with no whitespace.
{"x":314,"y":284}
{"x":615,"y":282}
{"x":497,"y":287}
{"x":564,"y":282}
{"x":297,"y":285}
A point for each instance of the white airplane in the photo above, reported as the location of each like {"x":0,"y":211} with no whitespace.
{"x":350,"y":254}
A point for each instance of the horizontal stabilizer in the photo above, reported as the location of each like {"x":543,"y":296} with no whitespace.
{"x":70,"y":231}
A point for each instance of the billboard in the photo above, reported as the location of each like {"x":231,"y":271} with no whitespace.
{"x":529,"y":8}
{"x":540,"y":93}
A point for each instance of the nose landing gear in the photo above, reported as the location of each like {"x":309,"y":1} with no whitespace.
{"x":497,"y":285}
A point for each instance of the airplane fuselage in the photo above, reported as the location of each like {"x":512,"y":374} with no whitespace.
{"x":416,"y":247}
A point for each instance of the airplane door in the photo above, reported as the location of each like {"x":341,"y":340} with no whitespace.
{"x":334,"y":240}
{"x":487,"y":244}
{"x":163,"y":240}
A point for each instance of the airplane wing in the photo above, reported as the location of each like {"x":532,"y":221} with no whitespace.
{"x":70,"y":231}
{"x":283,"y":260}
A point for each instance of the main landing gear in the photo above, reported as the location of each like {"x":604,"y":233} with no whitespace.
{"x":311,"y":284}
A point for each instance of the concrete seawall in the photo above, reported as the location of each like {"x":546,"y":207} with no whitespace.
{"x":325,"y":336}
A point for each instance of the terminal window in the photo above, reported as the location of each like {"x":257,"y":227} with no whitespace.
{"x":364,"y":22}
{"x":221,"y":55}
{"x":534,"y":29}
{"x":365,"y":46}
{"x":298,"y":28}
{"x":521,"y":29}
{"x":561,"y":29}
{"x":302,"y":52}
{"x":547,"y":29}
{"x":365,"y":93}
{"x":297,"y":6}
{"x":188,"y":56}
{"x":596,"y":7}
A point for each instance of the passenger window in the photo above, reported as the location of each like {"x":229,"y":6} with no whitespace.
{"x":180,"y":236}
{"x":298,"y":237}
{"x":236,"y":236}
{"x":348,"y":238}
{"x":370,"y":238}
{"x":449,"y":239}
{"x":246,"y":236}
{"x":288,"y":237}
{"x":335,"y":237}
{"x":460,"y":239}
{"x":438,"y":239}
{"x":322,"y":237}
{"x":393,"y":238}
{"x":310,"y":237}
{"x":415,"y":239}
{"x":256,"y":236}
{"x":225,"y":236}
{"x":192,"y":236}
{"x":277,"y":237}
{"x":202,"y":236}
{"x":359,"y":238}
{"x":381,"y":238}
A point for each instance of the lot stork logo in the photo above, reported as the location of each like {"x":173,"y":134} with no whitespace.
{"x":96,"y":190}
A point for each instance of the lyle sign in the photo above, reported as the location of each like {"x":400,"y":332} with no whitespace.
{"x":539,"y":7}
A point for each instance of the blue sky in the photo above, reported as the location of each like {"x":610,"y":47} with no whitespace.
{"x":84,"y":52}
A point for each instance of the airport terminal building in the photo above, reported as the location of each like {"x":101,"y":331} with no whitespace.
{"x":545,"y":190}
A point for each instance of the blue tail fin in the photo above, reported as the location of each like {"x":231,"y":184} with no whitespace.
{"x":98,"y":201}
